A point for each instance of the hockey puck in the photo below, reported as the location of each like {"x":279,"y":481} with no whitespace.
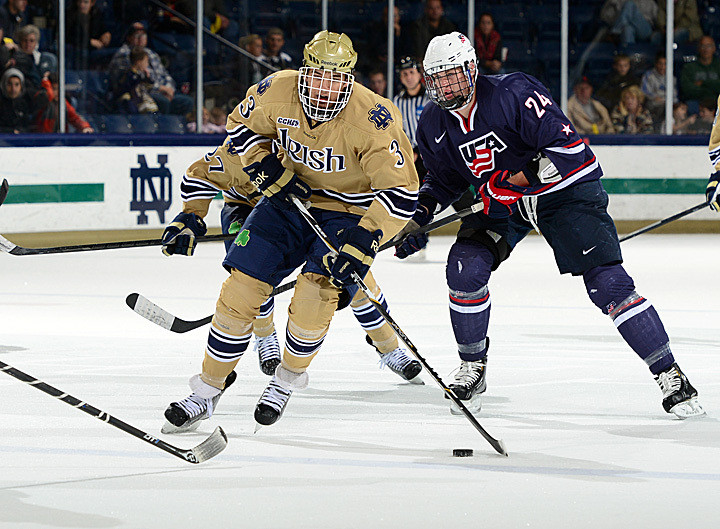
{"x":462,"y":452}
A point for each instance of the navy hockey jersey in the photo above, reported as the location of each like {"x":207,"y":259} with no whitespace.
{"x":512,"y":120}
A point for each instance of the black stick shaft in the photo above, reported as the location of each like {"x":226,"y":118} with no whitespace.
{"x":187,"y":455}
{"x":664,"y":221}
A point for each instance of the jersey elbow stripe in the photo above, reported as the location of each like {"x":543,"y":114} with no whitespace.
{"x":570,"y":149}
{"x":194,"y":189}
{"x":400,"y":204}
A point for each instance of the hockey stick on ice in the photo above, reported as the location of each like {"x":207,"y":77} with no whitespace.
{"x":497,"y":444}
{"x":209,"y":448}
{"x":156,"y":314}
{"x":664,"y":221}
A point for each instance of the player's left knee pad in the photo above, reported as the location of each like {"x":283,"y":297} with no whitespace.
{"x":468,"y":266}
{"x":311,"y":309}
{"x":608,"y":285}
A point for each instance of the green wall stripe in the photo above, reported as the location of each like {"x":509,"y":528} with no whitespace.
{"x":661,"y":186}
{"x":38,"y":194}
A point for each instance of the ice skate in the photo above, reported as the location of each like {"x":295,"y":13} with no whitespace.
{"x":400,"y":363}
{"x":268,"y":349}
{"x":185,"y":415}
{"x":274,"y":399}
{"x":468,"y":385}
{"x":679,"y":397}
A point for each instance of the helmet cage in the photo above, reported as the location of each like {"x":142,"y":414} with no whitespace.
{"x":458,"y":78}
{"x":324,"y":93}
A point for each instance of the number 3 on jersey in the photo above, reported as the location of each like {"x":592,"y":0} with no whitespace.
{"x":395,"y":149}
{"x":531,"y":102}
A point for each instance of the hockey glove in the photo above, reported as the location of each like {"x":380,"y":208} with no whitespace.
{"x":179,"y":236}
{"x":499,"y":199}
{"x":713,"y":190}
{"x":358,"y":248}
{"x":276,"y":182}
{"x":409,"y":242}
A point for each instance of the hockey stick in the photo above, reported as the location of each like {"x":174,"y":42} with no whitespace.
{"x":13,"y":249}
{"x":497,"y":444}
{"x":209,"y":448}
{"x":664,"y":221}
{"x":159,"y":316}
{"x":3,"y":190}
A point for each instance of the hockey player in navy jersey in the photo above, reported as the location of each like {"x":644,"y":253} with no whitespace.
{"x":490,"y":132}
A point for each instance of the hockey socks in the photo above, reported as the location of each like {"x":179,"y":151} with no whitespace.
{"x":613,"y":291}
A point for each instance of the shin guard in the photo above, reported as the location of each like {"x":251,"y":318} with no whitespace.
{"x":468,"y":271}
{"x":612,"y":290}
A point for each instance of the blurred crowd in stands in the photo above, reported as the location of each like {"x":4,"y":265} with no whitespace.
{"x":130,"y":63}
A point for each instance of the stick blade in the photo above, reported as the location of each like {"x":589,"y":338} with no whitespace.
{"x":6,"y":246}
{"x":148,"y":310}
{"x":211,"y":446}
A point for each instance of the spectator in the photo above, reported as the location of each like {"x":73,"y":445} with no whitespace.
{"x":273,"y":54}
{"x":681,"y":121}
{"x":7,"y":47}
{"x":587,"y":114}
{"x":18,"y":107}
{"x":488,"y":46}
{"x":706,"y":116}
{"x":653,"y":86}
{"x":431,"y":24}
{"x":701,"y":79}
{"x":629,"y":116}
{"x":48,"y":119}
{"x":216,"y":18}
{"x":13,"y":16}
{"x":374,"y":54}
{"x":630,"y":20}
{"x":208,"y":127}
{"x":617,"y":80}
{"x":29,"y":60}
{"x":163,"y":88}
{"x":87,"y":33}
{"x":250,"y":72}
{"x":377,"y":82}
{"x":687,"y":21}
{"x":133,"y":91}
{"x":218,"y":116}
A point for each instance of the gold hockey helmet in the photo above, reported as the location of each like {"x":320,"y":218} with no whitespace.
{"x":331,"y":51}
{"x":326,"y":79}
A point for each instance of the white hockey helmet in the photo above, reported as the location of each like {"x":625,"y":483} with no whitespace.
{"x":450,"y":66}
{"x":326,"y":77}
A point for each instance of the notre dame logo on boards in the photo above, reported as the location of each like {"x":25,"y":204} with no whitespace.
{"x":380,"y":117}
{"x":151,"y":188}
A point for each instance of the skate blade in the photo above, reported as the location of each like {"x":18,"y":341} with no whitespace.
{"x":688,"y":409}
{"x":473,"y":405}
{"x":417,"y":381}
{"x":258,"y":427}
{"x":169,"y":427}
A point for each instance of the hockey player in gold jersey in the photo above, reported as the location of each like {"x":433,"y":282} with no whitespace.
{"x":713,"y":190}
{"x":220,"y":171}
{"x":317,"y":135}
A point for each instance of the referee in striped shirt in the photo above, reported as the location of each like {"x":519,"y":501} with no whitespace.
{"x":410,"y":101}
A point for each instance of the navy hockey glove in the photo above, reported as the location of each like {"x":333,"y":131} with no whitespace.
{"x":179,"y":236}
{"x":276,"y":182}
{"x":712,"y":191}
{"x":357,"y":251}
{"x":498,"y":198}
{"x":409,"y":242}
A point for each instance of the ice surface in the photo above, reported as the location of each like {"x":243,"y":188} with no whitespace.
{"x":589,"y":443}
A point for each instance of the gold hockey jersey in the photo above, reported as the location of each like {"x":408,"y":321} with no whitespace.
{"x":714,"y":147}
{"x":360,"y":162}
